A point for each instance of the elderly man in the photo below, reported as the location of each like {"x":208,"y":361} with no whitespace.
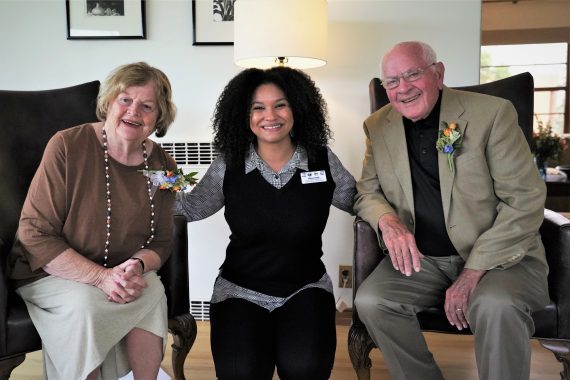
{"x":449,"y":180}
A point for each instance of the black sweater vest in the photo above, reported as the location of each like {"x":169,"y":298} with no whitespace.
{"x":275,"y":243}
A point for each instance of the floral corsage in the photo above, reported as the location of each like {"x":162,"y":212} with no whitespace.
{"x":449,"y":141}
{"x":173,"y":180}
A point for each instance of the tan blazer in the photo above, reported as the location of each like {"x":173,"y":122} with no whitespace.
{"x":493,"y":204}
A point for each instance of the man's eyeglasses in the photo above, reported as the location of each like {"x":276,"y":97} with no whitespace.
{"x":391,"y":83}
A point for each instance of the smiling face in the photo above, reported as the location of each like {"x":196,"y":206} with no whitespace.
{"x":271,"y":117}
{"x":133,"y":114}
{"x":416,"y":99}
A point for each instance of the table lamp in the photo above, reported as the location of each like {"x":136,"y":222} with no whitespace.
{"x":270,"y":33}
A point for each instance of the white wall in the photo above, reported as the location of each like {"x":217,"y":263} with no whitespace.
{"x":34,"y":54}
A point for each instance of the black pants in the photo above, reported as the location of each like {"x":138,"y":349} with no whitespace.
{"x":299,"y":338}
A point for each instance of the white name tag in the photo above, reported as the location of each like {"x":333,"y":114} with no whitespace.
{"x":313,"y":177}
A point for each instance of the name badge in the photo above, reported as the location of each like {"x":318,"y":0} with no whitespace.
{"x":313,"y":177}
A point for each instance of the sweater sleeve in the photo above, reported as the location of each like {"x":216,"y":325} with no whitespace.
{"x":207,"y":197}
{"x":345,"y":189}
{"x":44,"y":210}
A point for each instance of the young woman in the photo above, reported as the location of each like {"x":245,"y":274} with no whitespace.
{"x":273,"y":304}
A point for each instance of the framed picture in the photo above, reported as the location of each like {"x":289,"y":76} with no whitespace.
{"x":213,"y":22}
{"x":104,"y":19}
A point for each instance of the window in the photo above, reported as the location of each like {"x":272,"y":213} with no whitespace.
{"x":548,"y":64}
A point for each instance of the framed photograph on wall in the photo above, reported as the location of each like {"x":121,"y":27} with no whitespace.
{"x":105,"y":19}
{"x":213,"y":22}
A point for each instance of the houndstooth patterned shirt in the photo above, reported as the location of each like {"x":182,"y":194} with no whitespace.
{"x":207,"y":198}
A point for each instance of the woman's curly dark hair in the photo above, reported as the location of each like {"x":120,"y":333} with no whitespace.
{"x":232,"y":133}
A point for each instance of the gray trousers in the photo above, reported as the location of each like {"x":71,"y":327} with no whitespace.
{"x":499,"y":314}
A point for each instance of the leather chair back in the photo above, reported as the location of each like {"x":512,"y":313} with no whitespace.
{"x":518,"y":89}
{"x":174,"y":272}
{"x":28,"y":119}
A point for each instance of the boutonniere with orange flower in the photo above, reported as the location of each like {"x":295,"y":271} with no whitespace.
{"x":449,"y":141}
{"x":173,"y":180}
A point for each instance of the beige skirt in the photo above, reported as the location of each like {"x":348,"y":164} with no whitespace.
{"x":81,"y":330}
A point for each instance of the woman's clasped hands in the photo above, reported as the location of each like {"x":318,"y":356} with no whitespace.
{"x":123,"y":283}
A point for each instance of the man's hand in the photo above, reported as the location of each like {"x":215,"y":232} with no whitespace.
{"x":458,"y":294}
{"x":401,"y":244}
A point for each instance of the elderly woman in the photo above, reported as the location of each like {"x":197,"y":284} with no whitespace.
{"x":93,"y":232}
{"x":273,"y":304}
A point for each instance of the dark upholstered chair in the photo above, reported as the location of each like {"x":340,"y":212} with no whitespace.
{"x":552,"y":323}
{"x":27,"y":121}
{"x":519,"y":89}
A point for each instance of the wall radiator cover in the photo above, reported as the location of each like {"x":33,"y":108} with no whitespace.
{"x":200,"y":310}
{"x":192,"y":156}
{"x":191,"y":153}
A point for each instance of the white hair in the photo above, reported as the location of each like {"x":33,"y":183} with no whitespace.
{"x":426,"y":52}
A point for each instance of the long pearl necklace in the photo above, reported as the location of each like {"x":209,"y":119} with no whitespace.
{"x":108,"y":196}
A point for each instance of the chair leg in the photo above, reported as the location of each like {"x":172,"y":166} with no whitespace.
{"x":561,"y":350}
{"x":359,"y":346}
{"x":8,"y":365}
{"x":183,"y":329}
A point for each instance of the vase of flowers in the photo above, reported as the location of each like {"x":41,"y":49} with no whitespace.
{"x":546,"y":146}
{"x":542,"y":166}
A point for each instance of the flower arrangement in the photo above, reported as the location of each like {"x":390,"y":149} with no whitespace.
{"x":449,"y":141}
{"x":546,"y":145}
{"x":173,"y":180}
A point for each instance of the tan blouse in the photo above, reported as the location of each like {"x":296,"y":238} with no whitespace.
{"x":66,"y":206}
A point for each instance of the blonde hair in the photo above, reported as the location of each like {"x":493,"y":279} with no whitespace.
{"x":139,"y":74}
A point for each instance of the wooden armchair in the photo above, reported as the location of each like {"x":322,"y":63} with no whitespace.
{"x":27,"y":121}
{"x":552,"y":323}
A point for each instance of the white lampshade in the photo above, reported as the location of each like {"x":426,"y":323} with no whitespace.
{"x":295,"y":30}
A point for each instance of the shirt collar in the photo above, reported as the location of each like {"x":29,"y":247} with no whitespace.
{"x":299,"y":160}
